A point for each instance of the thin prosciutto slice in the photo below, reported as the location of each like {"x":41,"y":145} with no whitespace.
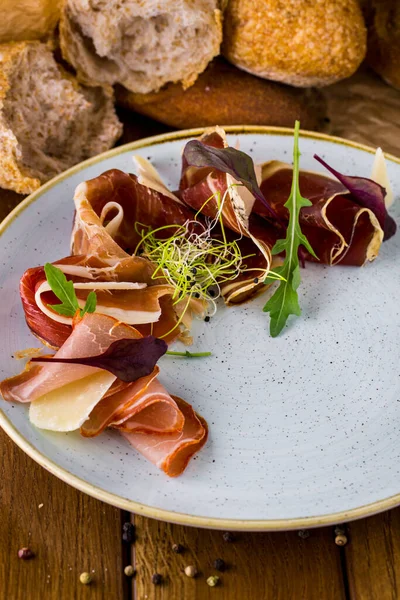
{"x":147,"y":305}
{"x":199,"y":188}
{"x":142,"y":406}
{"x":91,"y":336}
{"x":338,"y":229}
{"x":112,"y":209}
{"x":171,"y":452}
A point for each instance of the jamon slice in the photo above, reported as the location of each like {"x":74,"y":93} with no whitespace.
{"x":338,"y":229}
{"x":202,"y":189}
{"x":147,"y":305}
{"x":61,"y":395}
{"x":144,"y":406}
{"x":112,"y":209}
{"x":171,"y":452}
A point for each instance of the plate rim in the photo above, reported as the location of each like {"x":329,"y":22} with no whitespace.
{"x":151,"y":511}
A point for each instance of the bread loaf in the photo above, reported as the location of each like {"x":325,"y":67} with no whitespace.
{"x":225,"y":95}
{"x":47,"y":122}
{"x":383,"y":21}
{"x":298,"y":42}
{"x":28,"y":19}
{"x":140,"y":44}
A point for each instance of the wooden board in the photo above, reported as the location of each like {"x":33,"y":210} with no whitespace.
{"x":373,"y":557}
{"x":270,"y":566}
{"x":69,"y":534}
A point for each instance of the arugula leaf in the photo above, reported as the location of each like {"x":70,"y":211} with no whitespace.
{"x":284,"y":302}
{"x":91,"y":303}
{"x":65,"y":292}
{"x":127,"y":359}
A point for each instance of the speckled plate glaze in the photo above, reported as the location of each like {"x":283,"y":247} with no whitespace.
{"x":304,"y":429}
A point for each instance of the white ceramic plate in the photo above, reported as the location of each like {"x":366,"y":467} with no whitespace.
{"x":304,"y":429}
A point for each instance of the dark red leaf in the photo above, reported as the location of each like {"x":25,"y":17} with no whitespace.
{"x":228,"y":160}
{"x":126,"y":359}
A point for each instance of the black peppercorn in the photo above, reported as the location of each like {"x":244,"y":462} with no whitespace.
{"x":255,"y":280}
{"x":156,"y":579}
{"x":177,"y":548}
{"x":207,"y":319}
{"x":219,"y":564}
{"x":211,"y":293}
{"x":128,"y":533}
{"x":25,"y":553}
{"x":228,"y":537}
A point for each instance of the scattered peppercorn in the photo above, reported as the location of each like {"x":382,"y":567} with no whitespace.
{"x":190,"y":571}
{"x":177,"y":548}
{"x":228,"y":537}
{"x":211,"y":293}
{"x":341,"y":540}
{"x":85,"y":578}
{"x":25,"y":553}
{"x":340,"y":535}
{"x":156,"y":579}
{"x":128,"y":533}
{"x":219,"y":564}
{"x":207,"y":319}
{"x":194,"y":270}
{"x":129,"y":571}
{"x":213,"y":580}
{"x":255,"y":279}
{"x":303,"y":534}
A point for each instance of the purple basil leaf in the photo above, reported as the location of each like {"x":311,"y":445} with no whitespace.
{"x":369,"y":194}
{"x":126,"y":359}
{"x":228,"y":160}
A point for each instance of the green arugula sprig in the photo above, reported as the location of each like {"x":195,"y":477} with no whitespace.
{"x":65,"y":292}
{"x":285,"y":302}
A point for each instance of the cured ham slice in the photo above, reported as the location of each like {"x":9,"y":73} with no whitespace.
{"x":338,"y":229}
{"x":142,"y":301}
{"x":142,"y":406}
{"x":62,"y":396}
{"x":112,"y":209}
{"x":211,"y":191}
{"x":171,"y":452}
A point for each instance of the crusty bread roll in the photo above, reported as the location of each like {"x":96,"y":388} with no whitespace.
{"x":28,"y":19}
{"x":383,"y":21}
{"x":140,"y":44}
{"x":226,"y":95}
{"x":47,"y":122}
{"x":300,"y":42}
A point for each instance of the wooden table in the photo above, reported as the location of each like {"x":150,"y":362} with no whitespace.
{"x":70,"y":532}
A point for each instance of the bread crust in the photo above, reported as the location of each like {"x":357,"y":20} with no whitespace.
{"x":298,"y":42}
{"x":226,"y":95}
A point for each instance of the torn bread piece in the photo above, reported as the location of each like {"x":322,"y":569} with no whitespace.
{"x":141,"y":45}
{"x":48,"y":122}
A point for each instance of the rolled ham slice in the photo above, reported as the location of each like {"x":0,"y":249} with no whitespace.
{"x":91,"y":336}
{"x":111,"y":209}
{"x":198,"y":189}
{"x":171,"y":452}
{"x":142,"y":406}
{"x":148,"y":305}
{"x":339,"y":230}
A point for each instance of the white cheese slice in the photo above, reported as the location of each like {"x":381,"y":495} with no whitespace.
{"x":150,"y":177}
{"x":68,"y":407}
{"x":379,"y":175}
